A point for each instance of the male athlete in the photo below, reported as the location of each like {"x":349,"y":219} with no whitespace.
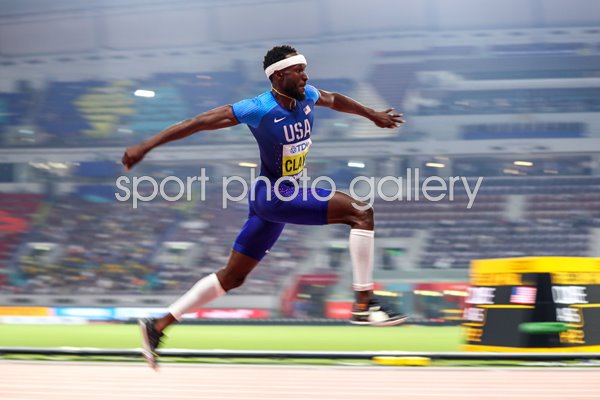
{"x":281,"y":121}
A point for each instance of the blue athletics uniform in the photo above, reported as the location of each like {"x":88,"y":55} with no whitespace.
{"x":283,"y":138}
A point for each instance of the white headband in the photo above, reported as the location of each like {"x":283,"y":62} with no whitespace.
{"x":286,"y":62}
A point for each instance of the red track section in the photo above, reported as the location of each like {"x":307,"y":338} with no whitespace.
{"x":83,"y":381}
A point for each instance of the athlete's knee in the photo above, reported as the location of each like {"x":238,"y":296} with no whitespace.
{"x":363,"y":218}
{"x":231,"y":280}
{"x":237,"y":281}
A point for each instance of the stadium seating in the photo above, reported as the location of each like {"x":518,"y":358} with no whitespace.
{"x":556,"y":221}
{"x":104,"y":112}
{"x":105,"y":246}
{"x":512,"y":101}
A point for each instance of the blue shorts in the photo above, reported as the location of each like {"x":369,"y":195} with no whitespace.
{"x":267,"y":216}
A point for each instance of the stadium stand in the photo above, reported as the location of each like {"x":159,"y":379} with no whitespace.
{"x":442,"y":81}
{"x":556,"y":220}
{"x":102,"y":246}
{"x":88,"y":243}
{"x":99,"y":245}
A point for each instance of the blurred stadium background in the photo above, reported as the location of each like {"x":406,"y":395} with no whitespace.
{"x":509,"y":91}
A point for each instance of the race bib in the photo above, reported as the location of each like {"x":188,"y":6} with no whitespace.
{"x":294,"y":157}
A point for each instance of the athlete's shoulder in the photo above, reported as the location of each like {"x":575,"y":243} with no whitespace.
{"x":312,"y":93}
{"x":251,"y":111}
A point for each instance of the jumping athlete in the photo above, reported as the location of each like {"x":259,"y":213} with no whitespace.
{"x":281,"y":121}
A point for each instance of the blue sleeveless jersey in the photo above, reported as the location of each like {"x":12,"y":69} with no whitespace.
{"x":283,"y":135}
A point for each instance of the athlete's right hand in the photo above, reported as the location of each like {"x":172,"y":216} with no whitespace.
{"x":133,"y":155}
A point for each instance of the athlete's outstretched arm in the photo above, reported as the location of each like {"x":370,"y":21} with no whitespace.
{"x":339,"y":102}
{"x":217,"y":118}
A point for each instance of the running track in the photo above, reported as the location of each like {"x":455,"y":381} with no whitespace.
{"x":87,"y":381}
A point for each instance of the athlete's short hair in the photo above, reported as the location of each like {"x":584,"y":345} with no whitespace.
{"x":277,"y":53}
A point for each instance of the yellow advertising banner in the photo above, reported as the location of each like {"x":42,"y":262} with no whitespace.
{"x":25,"y":311}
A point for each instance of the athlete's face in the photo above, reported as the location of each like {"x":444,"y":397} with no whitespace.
{"x":294,"y":81}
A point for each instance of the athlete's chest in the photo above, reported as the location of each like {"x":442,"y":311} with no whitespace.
{"x":285,"y":127}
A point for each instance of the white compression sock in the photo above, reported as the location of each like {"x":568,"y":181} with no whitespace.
{"x":205,"y":290}
{"x":362,"y":250}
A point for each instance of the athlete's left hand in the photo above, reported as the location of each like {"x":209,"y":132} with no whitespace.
{"x":387,"y":119}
